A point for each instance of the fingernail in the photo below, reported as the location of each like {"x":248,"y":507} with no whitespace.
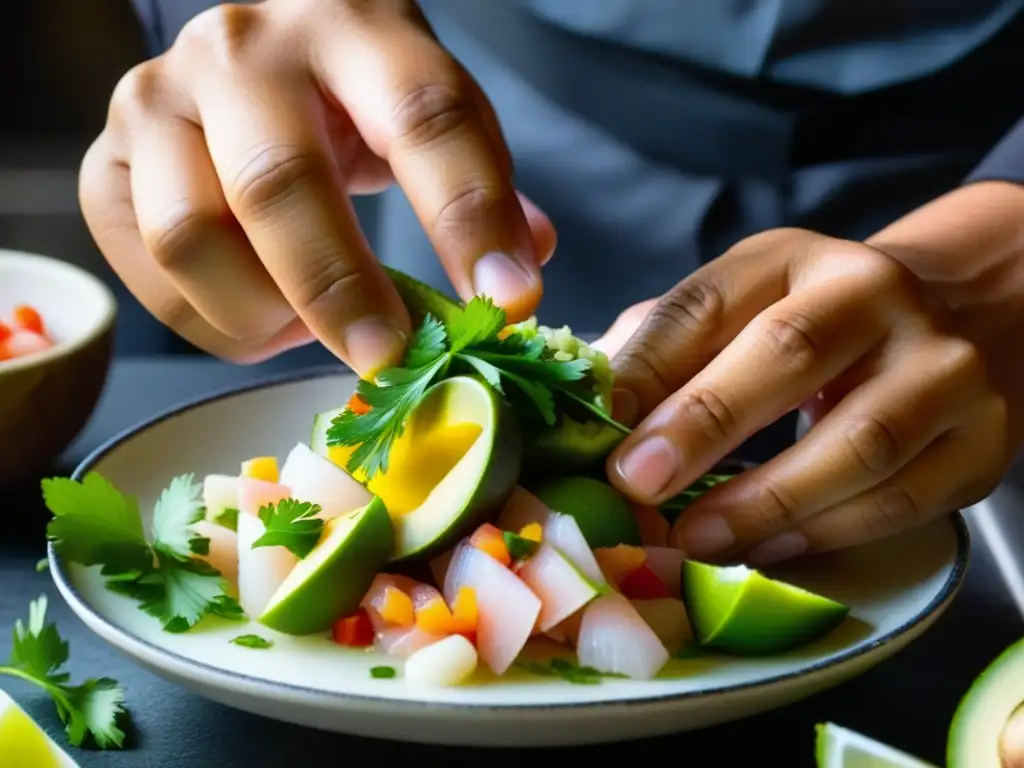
{"x":502,"y":279}
{"x":372,"y":344}
{"x":624,"y":406}
{"x":785,"y":546}
{"x":704,"y":536}
{"x":650,"y":466}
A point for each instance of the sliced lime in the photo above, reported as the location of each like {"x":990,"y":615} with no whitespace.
{"x":838,"y":747}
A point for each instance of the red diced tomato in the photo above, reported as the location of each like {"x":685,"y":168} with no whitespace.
{"x":354,"y":631}
{"x":26,"y":318}
{"x":643,"y":584}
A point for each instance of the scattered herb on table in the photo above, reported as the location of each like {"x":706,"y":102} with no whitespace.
{"x":291,"y":524}
{"x":94,"y":709}
{"x":252,"y":641}
{"x":383,"y":673}
{"x":568,"y":671}
{"x":42,"y":565}
{"x":473,"y":339}
{"x":95,"y":524}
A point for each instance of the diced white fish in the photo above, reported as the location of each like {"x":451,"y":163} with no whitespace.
{"x":563,"y":533}
{"x":561,"y":587}
{"x":317,"y":480}
{"x":260,"y":571}
{"x":447,"y":662}
{"x":615,"y":639}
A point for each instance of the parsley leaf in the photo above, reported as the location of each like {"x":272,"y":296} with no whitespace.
{"x":95,"y":524}
{"x":291,"y":524}
{"x":93,"y":709}
{"x":478,"y":322}
{"x":252,"y":641}
{"x":177,"y":510}
{"x":383,"y":673}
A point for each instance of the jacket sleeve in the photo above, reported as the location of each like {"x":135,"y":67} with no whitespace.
{"x":162,"y":20}
{"x":1005,"y":162}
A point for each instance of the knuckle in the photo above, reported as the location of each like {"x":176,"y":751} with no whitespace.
{"x":872,"y":443}
{"x":137,"y":93}
{"x":475,"y":202}
{"x":267,"y":176}
{"x":329,"y":286}
{"x":790,"y":338}
{"x":222,"y":32}
{"x":775,"y":509}
{"x":890,"y":510}
{"x":964,"y":360}
{"x":176,"y":238}
{"x":431,"y":112}
{"x":709,"y":412}
{"x":692,"y":306}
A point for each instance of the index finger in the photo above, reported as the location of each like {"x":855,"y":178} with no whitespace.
{"x":418,"y":108}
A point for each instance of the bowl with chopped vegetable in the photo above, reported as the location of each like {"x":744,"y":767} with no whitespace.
{"x":56,"y":334}
{"x":390,"y":558}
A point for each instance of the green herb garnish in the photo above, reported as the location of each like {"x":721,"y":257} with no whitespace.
{"x":468,"y":342}
{"x":291,"y":524}
{"x":568,"y":671}
{"x":91,"y":710}
{"x":42,"y":565}
{"x":228,"y":518}
{"x":672,"y":508}
{"x":95,"y":524}
{"x":519,"y":548}
{"x":383,"y":673}
{"x":252,"y":641}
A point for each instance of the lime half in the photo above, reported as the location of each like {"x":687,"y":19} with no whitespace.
{"x":23,"y":743}
{"x":838,"y":747}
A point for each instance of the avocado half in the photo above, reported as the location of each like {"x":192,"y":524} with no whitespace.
{"x":569,"y":446}
{"x":986,"y":729}
{"x":454,"y":467}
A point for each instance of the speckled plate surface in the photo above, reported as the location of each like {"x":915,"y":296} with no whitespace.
{"x":897,"y":589}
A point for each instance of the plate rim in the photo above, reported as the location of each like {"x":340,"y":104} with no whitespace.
{"x":79,"y":605}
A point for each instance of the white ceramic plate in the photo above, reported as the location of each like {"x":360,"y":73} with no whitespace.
{"x":896,"y":588}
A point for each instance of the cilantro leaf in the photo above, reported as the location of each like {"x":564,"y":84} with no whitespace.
{"x":291,"y":524}
{"x":383,"y":673}
{"x":177,"y":510}
{"x":428,"y":343}
{"x":252,"y":641}
{"x":94,"y":709}
{"x":479,"y":321}
{"x":95,"y":524}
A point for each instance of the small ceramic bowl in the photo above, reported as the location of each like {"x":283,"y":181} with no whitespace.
{"x":46,"y":398}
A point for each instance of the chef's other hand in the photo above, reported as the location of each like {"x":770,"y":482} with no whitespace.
{"x":219,"y":188}
{"x":907,"y":424}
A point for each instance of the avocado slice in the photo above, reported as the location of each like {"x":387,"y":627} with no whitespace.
{"x":330,"y":581}
{"x":454,"y":467}
{"x":986,"y":731}
{"x":737,"y":610}
{"x":603,"y":515}
{"x":337,"y":454}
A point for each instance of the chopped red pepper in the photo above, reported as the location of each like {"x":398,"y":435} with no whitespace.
{"x":5,"y":333}
{"x":355,"y":631}
{"x":643,"y":584}
{"x":358,"y":406}
{"x":28,"y":319}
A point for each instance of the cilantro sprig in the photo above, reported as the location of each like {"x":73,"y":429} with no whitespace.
{"x":92,"y":710}
{"x":291,"y":524}
{"x":471,"y":340}
{"x":95,"y":524}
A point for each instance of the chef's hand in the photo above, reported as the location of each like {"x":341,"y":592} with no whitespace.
{"x":219,"y":189}
{"x":908,"y":424}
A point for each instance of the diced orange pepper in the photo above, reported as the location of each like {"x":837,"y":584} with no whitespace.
{"x":5,"y":333}
{"x":358,"y":406}
{"x":465,"y":614}
{"x":618,"y":562}
{"x":262,"y":468}
{"x":396,"y":608}
{"x":491,"y":540}
{"x":434,"y":618}
{"x":533,"y":532}
{"x":27,"y":318}
{"x":355,"y":631}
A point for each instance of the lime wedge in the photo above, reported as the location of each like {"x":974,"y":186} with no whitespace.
{"x":737,"y":610}
{"x":838,"y":747}
{"x":23,"y":743}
